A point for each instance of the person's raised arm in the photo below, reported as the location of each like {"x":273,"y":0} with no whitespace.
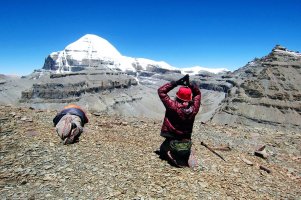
{"x":196,"y":95}
{"x":164,"y":89}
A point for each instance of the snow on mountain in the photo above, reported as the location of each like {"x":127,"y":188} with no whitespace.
{"x":82,"y":53}
{"x":128,"y":63}
{"x":94,"y":51}
{"x":144,"y":62}
{"x":91,"y":47}
{"x":197,"y":70}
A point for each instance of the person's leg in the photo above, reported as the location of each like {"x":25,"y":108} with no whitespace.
{"x":63,"y":127}
{"x":180,"y":152}
{"x":180,"y":158}
{"x":69,"y":128}
{"x":192,"y":161}
{"x":77,"y":129}
{"x":164,"y":148}
{"x":165,"y":153}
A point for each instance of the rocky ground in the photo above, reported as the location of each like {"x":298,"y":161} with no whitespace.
{"x":116,"y":159}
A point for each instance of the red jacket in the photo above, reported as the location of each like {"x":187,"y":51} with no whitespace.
{"x":179,"y":117}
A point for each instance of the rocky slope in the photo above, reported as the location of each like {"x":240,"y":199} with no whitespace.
{"x":266,"y":91}
{"x":116,"y":159}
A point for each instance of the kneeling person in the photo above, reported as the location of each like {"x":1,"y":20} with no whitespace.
{"x":178,"y":122}
{"x":69,"y":123}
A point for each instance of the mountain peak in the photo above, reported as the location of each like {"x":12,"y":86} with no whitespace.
{"x":94,"y":46}
{"x":93,"y":51}
{"x":279,"y":47}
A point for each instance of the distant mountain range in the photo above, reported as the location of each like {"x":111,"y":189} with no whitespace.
{"x":92,"y":73}
{"x":92,"y":51}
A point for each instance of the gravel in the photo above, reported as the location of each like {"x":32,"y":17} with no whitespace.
{"x":116,"y":159}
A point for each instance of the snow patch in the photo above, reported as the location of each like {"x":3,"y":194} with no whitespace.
{"x":197,"y":70}
{"x":288,"y":52}
{"x":91,"y":47}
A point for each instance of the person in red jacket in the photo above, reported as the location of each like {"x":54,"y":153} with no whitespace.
{"x":178,"y":121}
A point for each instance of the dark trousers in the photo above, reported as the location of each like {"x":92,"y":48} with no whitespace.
{"x":178,"y":157}
{"x":164,"y":148}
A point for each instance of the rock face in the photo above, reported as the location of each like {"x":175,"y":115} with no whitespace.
{"x":266,"y":90}
{"x":70,"y":87}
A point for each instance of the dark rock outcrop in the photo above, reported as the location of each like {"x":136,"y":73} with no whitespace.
{"x":49,"y":64}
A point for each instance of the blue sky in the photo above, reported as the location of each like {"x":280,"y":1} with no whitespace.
{"x":211,"y":33}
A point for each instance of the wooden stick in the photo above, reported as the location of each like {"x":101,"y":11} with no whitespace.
{"x":221,"y":148}
{"x":205,"y":145}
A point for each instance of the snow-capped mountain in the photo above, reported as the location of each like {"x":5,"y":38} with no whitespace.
{"x":92,"y":51}
{"x":197,"y":70}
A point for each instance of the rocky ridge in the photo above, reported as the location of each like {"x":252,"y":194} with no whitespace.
{"x":70,"y":87}
{"x":265,"y":91}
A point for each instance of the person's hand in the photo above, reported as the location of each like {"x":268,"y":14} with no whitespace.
{"x":183,"y":81}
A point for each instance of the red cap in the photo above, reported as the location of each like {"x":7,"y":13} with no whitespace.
{"x":184,"y":94}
